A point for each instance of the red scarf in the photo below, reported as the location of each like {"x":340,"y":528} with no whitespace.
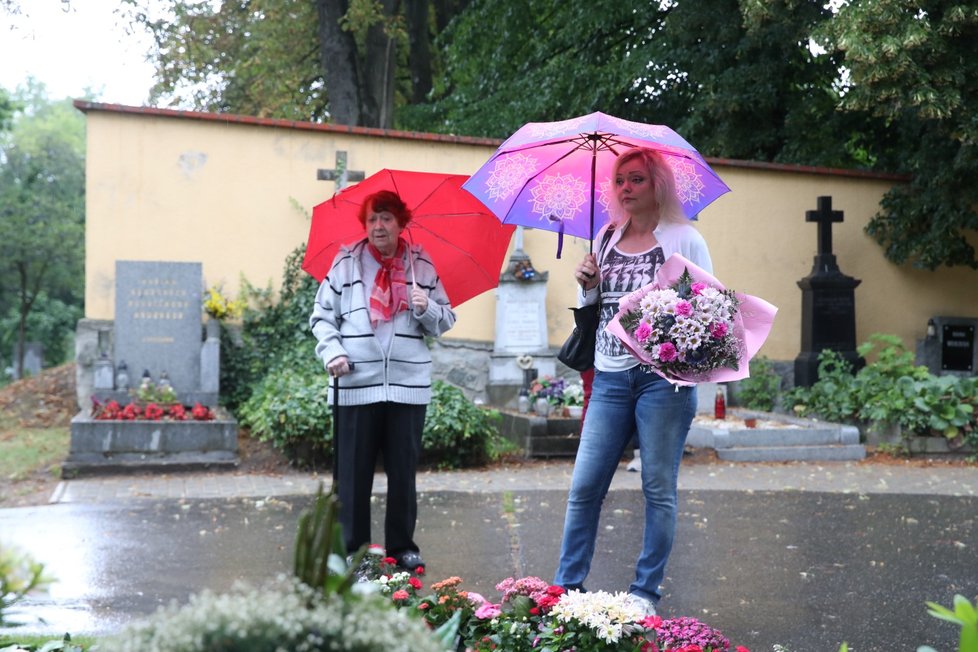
{"x":390,"y":294}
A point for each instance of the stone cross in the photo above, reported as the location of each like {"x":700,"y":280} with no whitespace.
{"x":341,"y":174}
{"x":825,"y":216}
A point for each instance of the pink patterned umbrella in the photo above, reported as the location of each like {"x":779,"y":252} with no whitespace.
{"x":677,"y":317}
{"x":557,"y":175}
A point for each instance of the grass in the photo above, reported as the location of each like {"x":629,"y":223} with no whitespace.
{"x":34,"y":642}
{"x":26,"y":450}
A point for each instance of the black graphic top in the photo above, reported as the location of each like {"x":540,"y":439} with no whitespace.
{"x":622,"y":273}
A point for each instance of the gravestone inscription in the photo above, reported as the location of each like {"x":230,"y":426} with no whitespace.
{"x":158,"y":321}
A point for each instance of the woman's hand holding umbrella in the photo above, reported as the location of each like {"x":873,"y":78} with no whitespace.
{"x":587,"y":272}
{"x":419,"y":299}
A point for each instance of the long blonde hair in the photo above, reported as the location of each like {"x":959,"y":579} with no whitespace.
{"x":663,"y":184}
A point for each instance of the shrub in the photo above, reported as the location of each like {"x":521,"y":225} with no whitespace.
{"x":831,"y":396}
{"x":290,"y":408}
{"x":457,"y":433}
{"x":271,"y":328}
{"x":891,"y":389}
{"x":760,"y":390}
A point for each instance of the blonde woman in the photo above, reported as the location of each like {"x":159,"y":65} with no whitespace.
{"x":649,"y":227}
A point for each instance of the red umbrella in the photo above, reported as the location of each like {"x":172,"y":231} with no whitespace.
{"x":465,"y":239}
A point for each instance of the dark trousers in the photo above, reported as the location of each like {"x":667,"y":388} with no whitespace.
{"x":366,"y":432}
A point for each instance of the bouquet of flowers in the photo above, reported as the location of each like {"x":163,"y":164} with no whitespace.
{"x":688,"y":328}
{"x":549,"y":388}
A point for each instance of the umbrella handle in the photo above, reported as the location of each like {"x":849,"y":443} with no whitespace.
{"x":414,"y":280}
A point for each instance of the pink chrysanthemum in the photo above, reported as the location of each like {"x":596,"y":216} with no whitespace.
{"x":667,"y":352}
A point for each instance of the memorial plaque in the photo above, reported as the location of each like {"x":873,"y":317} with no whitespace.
{"x":523,"y":326}
{"x":958,"y":347}
{"x":158,"y":320}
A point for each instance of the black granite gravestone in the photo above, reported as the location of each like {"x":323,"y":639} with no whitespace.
{"x":828,"y":305}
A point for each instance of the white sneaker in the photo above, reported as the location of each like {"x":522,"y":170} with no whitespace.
{"x":646,"y":606}
{"x":636,"y":463}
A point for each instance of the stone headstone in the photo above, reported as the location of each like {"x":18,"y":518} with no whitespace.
{"x":158,"y":321}
{"x":521,"y":328}
{"x":828,"y":305}
{"x":33,"y":359}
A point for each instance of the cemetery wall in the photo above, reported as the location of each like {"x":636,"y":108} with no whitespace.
{"x":236,"y":194}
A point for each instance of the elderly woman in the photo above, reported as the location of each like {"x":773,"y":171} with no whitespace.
{"x":373,"y":310}
{"x":626,"y":401}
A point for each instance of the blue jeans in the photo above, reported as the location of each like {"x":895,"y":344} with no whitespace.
{"x":624,"y":403}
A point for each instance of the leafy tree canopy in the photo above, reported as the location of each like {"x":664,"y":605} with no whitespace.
{"x":914,"y":65}
{"x":42,"y":183}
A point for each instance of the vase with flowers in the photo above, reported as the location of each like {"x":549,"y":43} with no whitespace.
{"x":574,"y":399}
{"x":546,"y":394}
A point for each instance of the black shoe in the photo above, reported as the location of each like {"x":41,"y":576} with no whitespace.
{"x":411,"y":560}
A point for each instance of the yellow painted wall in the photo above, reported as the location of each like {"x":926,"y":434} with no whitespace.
{"x":236,"y":195}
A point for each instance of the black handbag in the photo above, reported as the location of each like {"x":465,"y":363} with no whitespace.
{"x":578,"y":351}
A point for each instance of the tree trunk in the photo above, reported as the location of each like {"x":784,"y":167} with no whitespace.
{"x":377,"y":81}
{"x":338,"y":58}
{"x":419,"y":56}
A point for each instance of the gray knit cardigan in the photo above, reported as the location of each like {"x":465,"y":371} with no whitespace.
{"x":341,"y":323}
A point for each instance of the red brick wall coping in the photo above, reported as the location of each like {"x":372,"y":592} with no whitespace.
{"x":229,"y":118}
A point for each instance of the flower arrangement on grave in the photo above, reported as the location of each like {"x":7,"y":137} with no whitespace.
{"x":574,"y":394}
{"x":219,"y":307}
{"x":112,"y":411}
{"x":549,"y":388}
{"x":686,"y":327}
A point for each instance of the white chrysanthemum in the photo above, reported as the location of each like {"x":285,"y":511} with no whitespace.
{"x":688,"y":334}
{"x":605,"y":614}
{"x":658,"y":302}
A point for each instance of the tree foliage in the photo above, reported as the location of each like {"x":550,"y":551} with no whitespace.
{"x":737,"y":79}
{"x":347,"y":61}
{"x":42,"y":183}
{"x":914,"y":65}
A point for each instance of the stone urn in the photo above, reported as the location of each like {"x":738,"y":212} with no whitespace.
{"x":575,"y":411}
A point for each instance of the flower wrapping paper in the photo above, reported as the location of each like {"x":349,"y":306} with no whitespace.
{"x":752,"y":323}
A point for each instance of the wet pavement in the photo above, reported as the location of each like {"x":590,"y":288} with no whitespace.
{"x":802,"y":555}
